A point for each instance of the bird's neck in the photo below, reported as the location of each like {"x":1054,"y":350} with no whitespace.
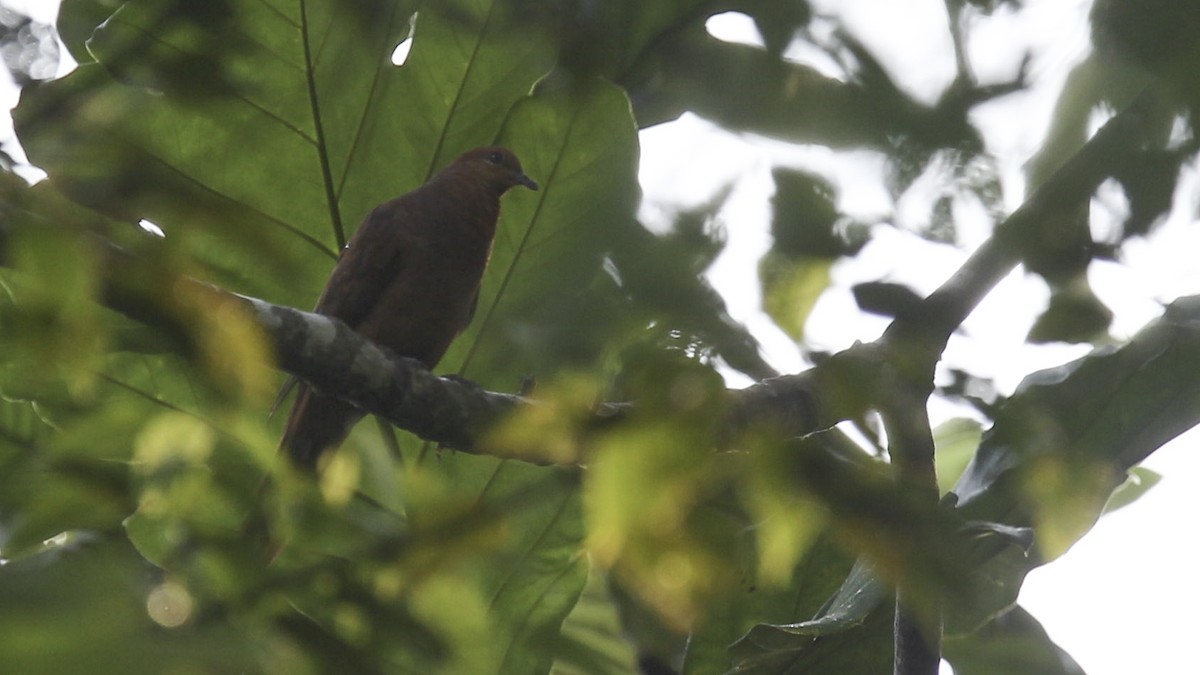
{"x":468,"y":194}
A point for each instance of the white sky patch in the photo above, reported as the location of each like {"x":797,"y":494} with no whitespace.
{"x":684,"y":163}
{"x":920,"y":61}
{"x":400,"y":54}
{"x":734,"y":27}
{"x":42,"y":11}
{"x":150,"y":227}
{"x":808,"y":54}
{"x":856,"y":174}
{"x":1122,"y":599}
{"x":1108,"y":210}
{"x":1128,"y":293}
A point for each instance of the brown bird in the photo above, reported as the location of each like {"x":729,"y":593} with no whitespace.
{"x":409,"y":280}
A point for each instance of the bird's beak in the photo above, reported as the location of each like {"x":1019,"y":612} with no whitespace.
{"x":527,"y":182}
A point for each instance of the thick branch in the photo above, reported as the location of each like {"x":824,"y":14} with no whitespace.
{"x":918,"y":624}
{"x":332,"y":357}
{"x":448,"y":410}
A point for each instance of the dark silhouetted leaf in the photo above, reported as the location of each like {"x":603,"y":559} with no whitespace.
{"x":1013,"y":643}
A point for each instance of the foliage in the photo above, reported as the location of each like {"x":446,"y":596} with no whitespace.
{"x":142,"y":504}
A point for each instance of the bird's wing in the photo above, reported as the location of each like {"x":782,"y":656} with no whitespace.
{"x":363,"y":270}
{"x":366,"y":266}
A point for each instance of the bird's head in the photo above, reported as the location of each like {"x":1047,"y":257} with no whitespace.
{"x":498,"y":167}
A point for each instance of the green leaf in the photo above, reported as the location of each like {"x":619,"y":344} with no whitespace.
{"x":1074,"y":315}
{"x":1139,"y":481}
{"x":993,"y":556}
{"x":816,"y":579}
{"x":93,"y":606}
{"x":615,"y":39}
{"x":541,"y":307}
{"x":1065,"y":440}
{"x":998,"y":558}
{"x":532,"y":569}
{"x":1014,"y":643}
{"x":67,"y":480}
{"x":791,"y":288}
{"x":805,"y":222}
{"x":77,"y":19}
{"x":955,"y":441}
{"x":50,"y":326}
{"x":664,"y":277}
{"x":261,"y":128}
{"x":593,"y":641}
{"x":850,"y":634}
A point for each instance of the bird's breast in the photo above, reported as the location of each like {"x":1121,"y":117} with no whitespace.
{"x":430,"y":300}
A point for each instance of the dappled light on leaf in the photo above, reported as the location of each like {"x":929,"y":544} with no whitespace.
{"x":1066,"y":497}
{"x":646,"y":497}
{"x":956,"y":441}
{"x":104,"y":585}
{"x":1138,"y":482}
{"x":554,"y":428}
{"x":653,"y":487}
{"x":339,"y":478}
{"x":788,"y":519}
{"x":171,"y":440}
{"x":170,"y":605}
{"x":48,"y":315}
{"x":791,"y":288}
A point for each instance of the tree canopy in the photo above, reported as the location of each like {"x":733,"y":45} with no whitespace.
{"x":584,"y":494}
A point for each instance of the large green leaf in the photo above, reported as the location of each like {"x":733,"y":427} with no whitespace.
{"x":757,"y":604}
{"x":273,"y":129}
{"x":531,"y":569}
{"x":93,"y":606}
{"x":824,"y":644}
{"x":1066,"y":439}
{"x":593,"y":640}
{"x":1014,"y":643}
{"x":543,"y":297}
{"x":241,"y":127}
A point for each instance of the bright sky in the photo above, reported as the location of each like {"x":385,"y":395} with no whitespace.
{"x":1123,"y":600}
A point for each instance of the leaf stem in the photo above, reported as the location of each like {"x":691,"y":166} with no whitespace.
{"x":335,"y":215}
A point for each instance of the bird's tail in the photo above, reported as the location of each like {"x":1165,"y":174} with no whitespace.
{"x":316,"y":424}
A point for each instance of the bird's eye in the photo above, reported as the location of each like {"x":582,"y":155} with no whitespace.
{"x":495,"y":158}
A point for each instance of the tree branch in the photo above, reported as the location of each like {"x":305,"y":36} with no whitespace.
{"x":915,"y":341}
{"x":917,"y":634}
{"x":946,"y":308}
